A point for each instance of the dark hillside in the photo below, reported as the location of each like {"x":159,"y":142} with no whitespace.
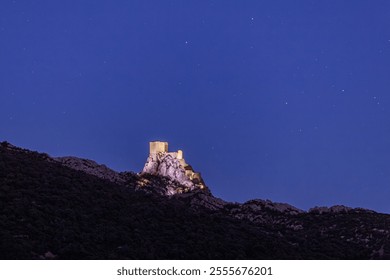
{"x":48,"y":211}
{"x":46,"y":208}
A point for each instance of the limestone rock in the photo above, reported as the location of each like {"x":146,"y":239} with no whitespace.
{"x":91,"y":167}
{"x":259,"y":204}
{"x":164,"y":164}
{"x":333,"y":209}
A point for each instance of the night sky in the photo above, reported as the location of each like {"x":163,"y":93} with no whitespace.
{"x":281,"y":100}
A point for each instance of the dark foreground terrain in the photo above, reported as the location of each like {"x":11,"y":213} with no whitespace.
{"x":51,"y":211}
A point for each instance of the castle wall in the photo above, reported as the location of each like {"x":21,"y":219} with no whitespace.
{"x":158,"y":147}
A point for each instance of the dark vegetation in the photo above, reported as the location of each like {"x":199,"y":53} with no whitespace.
{"x":50,"y":211}
{"x":45,"y":207}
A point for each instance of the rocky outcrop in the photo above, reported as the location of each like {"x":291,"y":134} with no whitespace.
{"x":156,"y":184}
{"x":182,"y":177}
{"x":336,"y":209}
{"x":165,"y":164}
{"x":260,"y":204}
{"x":333,"y":209}
{"x":93,"y":168}
{"x":265,"y":212}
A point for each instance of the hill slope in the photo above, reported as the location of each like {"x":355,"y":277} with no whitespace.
{"x":49,"y":210}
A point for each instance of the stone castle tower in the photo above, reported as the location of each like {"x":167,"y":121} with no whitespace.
{"x":172,"y":165}
{"x":156,"y":147}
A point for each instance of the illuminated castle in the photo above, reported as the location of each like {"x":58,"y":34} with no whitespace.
{"x":172,"y":165}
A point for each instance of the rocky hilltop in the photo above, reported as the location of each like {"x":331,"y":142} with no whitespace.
{"x":173,"y":166}
{"x":71,"y":208}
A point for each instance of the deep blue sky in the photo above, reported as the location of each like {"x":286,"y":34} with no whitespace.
{"x":285,"y":100}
